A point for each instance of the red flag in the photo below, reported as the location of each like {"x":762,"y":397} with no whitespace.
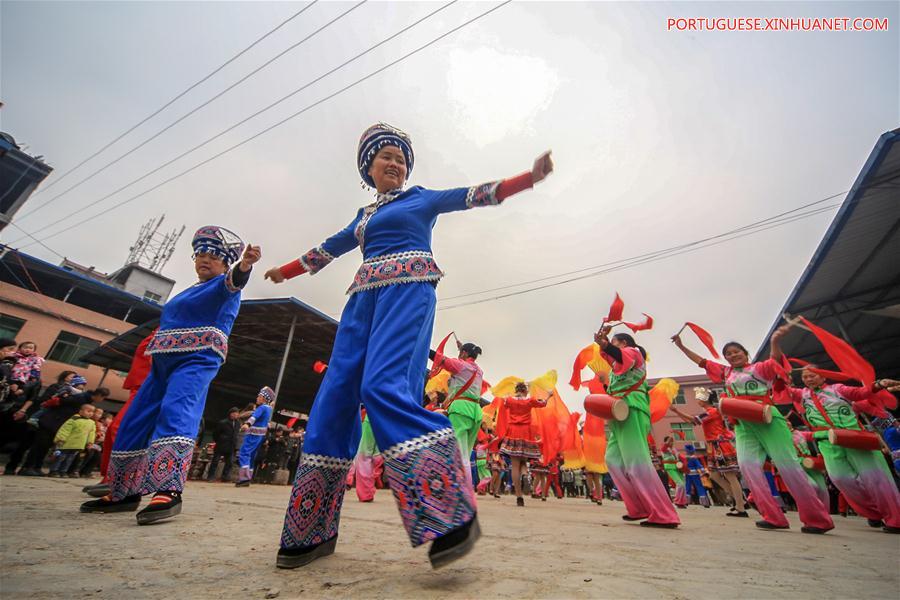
{"x":679,"y":434}
{"x":705,"y":337}
{"x":844,"y":356}
{"x":615,"y":310}
{"x":642,"y":326}
{"x":319,"y":367}
{"x":439,"y":357}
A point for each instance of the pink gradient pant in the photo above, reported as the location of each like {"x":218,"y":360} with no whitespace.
{"x":756,"y":440}
{"x":628,"y":459}
{"x":863,"y":477}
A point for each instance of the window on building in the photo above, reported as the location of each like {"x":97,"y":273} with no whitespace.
{"x":679,"y":397}
{"x":10,"y":326}
{"x":687,"y":429}
{"x":153,"y":297}
{"x":69,"y":348}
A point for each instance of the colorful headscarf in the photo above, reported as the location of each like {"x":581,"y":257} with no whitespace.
{"x":219,"y":242}
{"x":267,"y":393}
{"x":77,"y":380}
{"x":374,"y":139}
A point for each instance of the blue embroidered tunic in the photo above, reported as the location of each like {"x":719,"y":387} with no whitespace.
{"x":394,"y":233}
{"x":201,"y":317}
{"x":259,"y":420}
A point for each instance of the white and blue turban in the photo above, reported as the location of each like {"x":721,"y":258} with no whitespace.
{"x":374,"y":139}
{"x":218,"y":241}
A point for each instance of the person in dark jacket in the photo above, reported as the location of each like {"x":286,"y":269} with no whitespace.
{"x":49,"y":424}
{"x":226,"y":437}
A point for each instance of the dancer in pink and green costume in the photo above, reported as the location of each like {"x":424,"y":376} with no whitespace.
{"x":627,"y":452}
{"x":861,"y":475}
{"x":753,"y":381}
{"x":670,"y":464}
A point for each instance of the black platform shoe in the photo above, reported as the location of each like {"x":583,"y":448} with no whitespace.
{"x":291,"y":558}
{"x":108,"y":505}
{"x":630,"y":518}
{"x":97,"y":490}
{"x":659,"y":525}
{"x":520,"y":501}
{"x":767,"y":525}
{"x":815,"y":530}
{"x":164,"y":505}
{"x":874,"y":523}
{"x":454,"y":544}
{"x":889,"y":529}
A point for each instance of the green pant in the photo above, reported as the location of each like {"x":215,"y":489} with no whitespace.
{"x":754,"y":441}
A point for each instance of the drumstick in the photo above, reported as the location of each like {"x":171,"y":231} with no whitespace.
{"x":795,"y":322}
{"x":683,"y":327}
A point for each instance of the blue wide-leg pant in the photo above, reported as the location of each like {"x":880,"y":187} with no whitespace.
{"x":153,"y":447}
{"x":248,"y":451}
{"x":379,"y":360}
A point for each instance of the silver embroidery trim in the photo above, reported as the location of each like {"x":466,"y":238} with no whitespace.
{"x":328,"y":258}
{"x":387,"y":282}
{"x":371,"y":209}
{"x":127,"y":453}
{"x":399,"y":255}
{"x":470,"y":195}
{"x":205,"y":329}
{"x":326,"y":462}
{"x":173,"y":439}
{"x":429,"y":439}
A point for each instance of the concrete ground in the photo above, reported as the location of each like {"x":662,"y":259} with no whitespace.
{"x":223,"y":546}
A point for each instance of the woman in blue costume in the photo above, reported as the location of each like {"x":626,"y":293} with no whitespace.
{"x":255,"y":434}
{"x":380,"y":354}
{"x":153,"y":447}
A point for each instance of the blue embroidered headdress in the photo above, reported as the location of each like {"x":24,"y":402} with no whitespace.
{"x":267,"y":393}
{"x":374,"y":139}
{"x":219,"y":242}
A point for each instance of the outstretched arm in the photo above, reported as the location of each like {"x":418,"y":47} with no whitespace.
{"x":775,"y":343}
{"x":684,"y":416}
{"x":318,"y":258}
{"x":696,"y":358}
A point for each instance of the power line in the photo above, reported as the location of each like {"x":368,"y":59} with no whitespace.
{"x":37,"y":240}
{"x":242,"y":121}
{"x":674,"y":251}
{"x":179,"y":96}
{"x":647,"y":255}
{"x":281,"y":122}
{"x":195,"y":109}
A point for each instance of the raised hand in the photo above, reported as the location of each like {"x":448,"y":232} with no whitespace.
{"x":252,"y":254}
{"x":543,"y":166}
{"x":275,"y":275}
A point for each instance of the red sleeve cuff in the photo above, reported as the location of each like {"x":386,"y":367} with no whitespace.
{"x":292,"y":269}
{"x":514,"y":185}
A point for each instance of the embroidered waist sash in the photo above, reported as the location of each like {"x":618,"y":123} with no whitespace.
{"x":191,"y":339}
{"x":256,"y":431}
{"x":392,"y":269}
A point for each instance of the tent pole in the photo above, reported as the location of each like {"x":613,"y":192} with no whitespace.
{"x":284,"y":357}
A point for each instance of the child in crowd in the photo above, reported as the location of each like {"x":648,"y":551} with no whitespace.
{"x":73,"y":384}
{"x":75,"y":435}
{"x":28,"y":369}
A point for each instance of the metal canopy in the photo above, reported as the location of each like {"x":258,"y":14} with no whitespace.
{"x":256,"y":349}
{"x":851,"y":286}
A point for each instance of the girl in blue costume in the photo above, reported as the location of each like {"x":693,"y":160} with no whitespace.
{"x":380,"y":354}
{"x":255,"y":429}
{"x":153,"y":447}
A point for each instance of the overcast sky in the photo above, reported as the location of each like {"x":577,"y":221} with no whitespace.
{"x":659,"y":138}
